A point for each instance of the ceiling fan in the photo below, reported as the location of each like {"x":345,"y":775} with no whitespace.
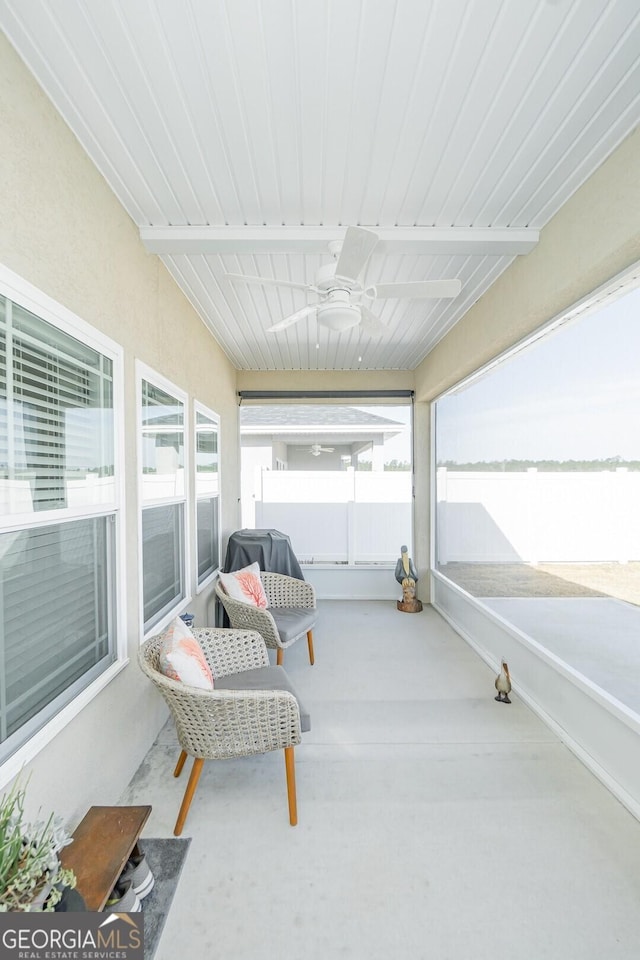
{"x":341,"y":294}
{"x":317,"y":449}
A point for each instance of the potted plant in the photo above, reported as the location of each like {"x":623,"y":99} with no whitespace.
{"x":31,"y":878}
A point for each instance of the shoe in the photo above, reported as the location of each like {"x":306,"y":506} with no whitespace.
{"x":139,"y":873}
{"x":123,"y":899}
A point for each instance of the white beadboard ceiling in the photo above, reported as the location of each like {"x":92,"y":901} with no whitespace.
{"x":243,"y":135}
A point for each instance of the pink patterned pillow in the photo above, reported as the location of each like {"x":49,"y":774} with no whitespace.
{"x":181,"y":657}
{"x":245,"y":585}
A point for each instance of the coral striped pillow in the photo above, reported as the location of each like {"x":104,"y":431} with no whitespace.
{"x":245,"y":585}
{"x":181,"y":657}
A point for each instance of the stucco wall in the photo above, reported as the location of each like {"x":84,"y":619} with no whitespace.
{"x":63,"y":230}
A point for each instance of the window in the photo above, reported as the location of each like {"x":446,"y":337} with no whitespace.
{"x":538,"y":487}
{"x":163,"y":498}
{"x":207,"y":492}
{"x":58,"y":510}
{"x":336,"y":476}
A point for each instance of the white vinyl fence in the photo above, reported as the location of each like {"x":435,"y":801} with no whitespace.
{"x":538,"y":517}
{"x":344,"y":516}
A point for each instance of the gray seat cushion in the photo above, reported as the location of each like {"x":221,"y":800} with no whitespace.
{"x":292,"y":622}
{"x":263,"y":678}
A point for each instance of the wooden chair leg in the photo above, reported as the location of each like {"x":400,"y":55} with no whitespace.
{"x":180,"y":764}
{"x":196,"y":770}
{"x":279,"y":656}
{"x":312,"y":659}
{"x":289,"y":763}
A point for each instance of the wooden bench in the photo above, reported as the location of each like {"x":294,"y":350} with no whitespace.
{"x":102,"y":843}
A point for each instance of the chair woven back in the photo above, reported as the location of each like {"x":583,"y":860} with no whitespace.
{"x":281,"y":591}
{"x":220,"y":724}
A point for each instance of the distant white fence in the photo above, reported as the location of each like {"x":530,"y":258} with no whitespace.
{"x":537,"y":517}
{"x":17,"y":496}
{"x":344,"y":516}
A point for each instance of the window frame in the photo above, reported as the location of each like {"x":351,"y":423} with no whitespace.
{"x":350,"y":556}
{"x":469,"y":614}
{"x":200,"y":408}
{"x":29,"y":297}
{"x":151,"y":376}
{"x":612,"y":289}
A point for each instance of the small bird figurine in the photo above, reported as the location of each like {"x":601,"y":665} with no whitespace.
{"x":503,"y":684}
{"x":405,"y":569}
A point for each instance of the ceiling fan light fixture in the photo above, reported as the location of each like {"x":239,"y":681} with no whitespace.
{"x":338,"y":316}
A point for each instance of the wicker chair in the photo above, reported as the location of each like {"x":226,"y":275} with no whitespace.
{"x":225,"y":723}
{"x":291,"y":612}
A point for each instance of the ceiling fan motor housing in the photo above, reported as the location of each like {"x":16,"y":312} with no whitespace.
{"x":327,"y":280}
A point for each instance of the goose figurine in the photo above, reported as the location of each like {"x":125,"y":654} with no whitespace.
{"x":503,"y":684}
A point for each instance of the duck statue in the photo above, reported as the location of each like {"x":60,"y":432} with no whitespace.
{"x":503,"y":684}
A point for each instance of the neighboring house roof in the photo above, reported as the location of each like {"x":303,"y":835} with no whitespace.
{"x":297,"y":423}
{"x":310,"y":415}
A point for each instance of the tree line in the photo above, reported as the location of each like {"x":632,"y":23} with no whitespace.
{"x":547,"y":466}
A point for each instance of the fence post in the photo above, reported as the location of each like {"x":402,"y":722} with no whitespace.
{"x":441,"y":517}
{"x":532,"y":492}
{"x":351,"y":519}
{"x":623,"y":543}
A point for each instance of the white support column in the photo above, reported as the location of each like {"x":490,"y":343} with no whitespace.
{"x":377,"y":455}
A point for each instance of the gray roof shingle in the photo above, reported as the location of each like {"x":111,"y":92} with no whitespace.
{"x":309,"y":415}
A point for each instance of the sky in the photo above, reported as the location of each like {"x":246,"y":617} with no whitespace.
{"x":572,"y":395}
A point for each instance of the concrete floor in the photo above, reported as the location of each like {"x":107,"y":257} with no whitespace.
{"x":433,"y":822}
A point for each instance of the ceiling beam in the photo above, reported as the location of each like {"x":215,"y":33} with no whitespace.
{"x":481,"y":241}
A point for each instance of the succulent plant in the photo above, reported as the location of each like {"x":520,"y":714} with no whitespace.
{"x":31,"y":878}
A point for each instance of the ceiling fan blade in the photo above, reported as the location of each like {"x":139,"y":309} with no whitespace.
{"x":316,"y":449}
{"x":418,"y":289}
{"x":357,"y":248}
{"x":268,"y":281}
{"x":293,"y":318}
{"x":370,"y":323}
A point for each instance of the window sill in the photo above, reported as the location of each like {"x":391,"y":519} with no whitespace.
{"x":209,"y":579}
{"x":168,"y":618}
